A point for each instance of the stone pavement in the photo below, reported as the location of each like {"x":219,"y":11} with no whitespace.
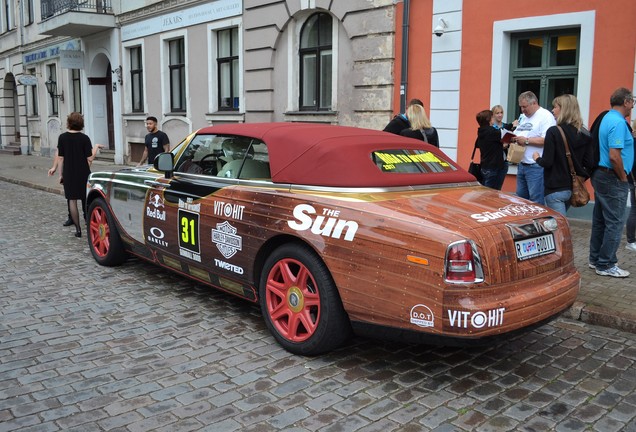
{"x":137,"y":348}
{"x":602,"y":300}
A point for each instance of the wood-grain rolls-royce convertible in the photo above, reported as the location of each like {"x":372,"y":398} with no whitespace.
{"x":339,"y":230}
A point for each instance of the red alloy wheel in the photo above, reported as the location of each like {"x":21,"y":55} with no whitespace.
{"x":292,"y":300}
{"x":99,"y":232}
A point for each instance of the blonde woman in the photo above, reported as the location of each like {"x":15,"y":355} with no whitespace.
{"x":498,"y":115}
{"x":557,"y":181}
{"x":421,"y":127}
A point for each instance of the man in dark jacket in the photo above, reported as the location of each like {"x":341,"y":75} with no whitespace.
{"x":400,"y":122}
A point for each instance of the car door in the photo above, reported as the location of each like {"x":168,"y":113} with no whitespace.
{"x":191,"y":232}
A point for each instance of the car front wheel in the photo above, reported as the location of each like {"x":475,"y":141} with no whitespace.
{"x":300,"y":302}
{"x":103,"y":238}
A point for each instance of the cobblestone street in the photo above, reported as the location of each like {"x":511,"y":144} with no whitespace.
{"x":136,"y":348}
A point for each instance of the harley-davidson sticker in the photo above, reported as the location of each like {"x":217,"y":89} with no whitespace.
{"x":226,"y":240}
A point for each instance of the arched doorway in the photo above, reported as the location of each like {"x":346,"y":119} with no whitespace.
{"x":10,"y":113}
{"x":100,"y":83}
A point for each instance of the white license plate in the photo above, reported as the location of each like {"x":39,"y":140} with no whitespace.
{"x":536,"y":246}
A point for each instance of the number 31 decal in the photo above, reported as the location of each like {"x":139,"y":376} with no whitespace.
{"x":189,"y":231}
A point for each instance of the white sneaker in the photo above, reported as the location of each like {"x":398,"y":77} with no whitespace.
{"x":592,"y":266}
{"x":631,"y":247}
{"x":613,"y":272}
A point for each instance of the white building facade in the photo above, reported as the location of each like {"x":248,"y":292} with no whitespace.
{"x":190,"y":64}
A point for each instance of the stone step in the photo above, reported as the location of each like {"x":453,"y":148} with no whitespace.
{"x":106,"y":155}
{"x":12,"y":149}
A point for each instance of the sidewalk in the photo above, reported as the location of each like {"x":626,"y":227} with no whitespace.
{"x":605,"y":301}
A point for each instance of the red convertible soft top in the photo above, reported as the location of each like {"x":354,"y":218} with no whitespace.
{"x":328,"y":155}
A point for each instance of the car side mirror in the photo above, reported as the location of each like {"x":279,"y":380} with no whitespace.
{"x":164,"y":162}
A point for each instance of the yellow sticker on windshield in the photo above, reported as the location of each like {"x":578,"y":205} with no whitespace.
{"x":410,"y":161}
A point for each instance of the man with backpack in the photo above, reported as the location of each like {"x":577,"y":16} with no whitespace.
{"x":615,"y":160}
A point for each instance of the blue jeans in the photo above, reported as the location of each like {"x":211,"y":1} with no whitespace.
{"x":530,"y":182}
{"x":630,"y":227}
{"x":608,"y":218}
{"x":493,"y":177}
{"x":559,"y":201}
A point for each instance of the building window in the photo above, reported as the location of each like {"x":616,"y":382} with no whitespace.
{"x":54,"y":102}
{"x":77,"y":90}
{"x":316,"y":63}
{"x":176,"y":49}
{"x":544,"y":63}
{"x":136,"y":79}
{"x":32,"y":96}
{"x":28,"y":12}
{"x":228,"y":69}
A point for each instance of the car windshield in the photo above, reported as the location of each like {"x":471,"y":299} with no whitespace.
{"x":410,"y":161}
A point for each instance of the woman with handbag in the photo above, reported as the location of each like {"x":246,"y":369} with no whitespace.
{"x":493,"y":158}
{"x":567,"y":154}
{"x":421,"y":128}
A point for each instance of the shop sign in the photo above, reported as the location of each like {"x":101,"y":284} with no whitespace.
{"x":210,"y":11}
{"x":50,"y":52}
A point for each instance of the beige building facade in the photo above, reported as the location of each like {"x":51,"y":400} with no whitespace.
{"x":190,"y":64}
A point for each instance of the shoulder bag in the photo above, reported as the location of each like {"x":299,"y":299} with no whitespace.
{"x":475,"y":168}
{"x":580,"y":195}
{"x":424,"y":135}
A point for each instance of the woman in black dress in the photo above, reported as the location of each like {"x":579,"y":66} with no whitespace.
{"x":75,"y":154}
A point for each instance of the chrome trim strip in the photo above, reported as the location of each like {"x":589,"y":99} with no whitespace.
{"x":381,"y":189}
{"x":207,"y":179}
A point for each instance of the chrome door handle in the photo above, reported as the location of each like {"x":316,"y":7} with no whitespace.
{"x":154,"y":183}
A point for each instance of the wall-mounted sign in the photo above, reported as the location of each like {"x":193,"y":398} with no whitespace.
{"x":27,"y":80}
{"x":50,"y":52}
{"x":72,"y":59}
{"x":210,"y":11}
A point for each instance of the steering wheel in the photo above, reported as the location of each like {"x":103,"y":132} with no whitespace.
{"x":211,"y":164}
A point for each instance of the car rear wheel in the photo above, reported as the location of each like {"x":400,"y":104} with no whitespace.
{"x":103,"y":238}
{"x":300,"y":302}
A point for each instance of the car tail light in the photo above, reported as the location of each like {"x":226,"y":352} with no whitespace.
{"x":463,"y":263}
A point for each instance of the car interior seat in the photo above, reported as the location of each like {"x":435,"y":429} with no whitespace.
{"x":253,"y":169}
{"x":242,"y":155}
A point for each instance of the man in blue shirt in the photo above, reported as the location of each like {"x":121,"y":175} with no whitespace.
{"x":616,"y":151}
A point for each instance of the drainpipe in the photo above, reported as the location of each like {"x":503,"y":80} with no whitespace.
{"x":26,"y":96}
{"x":405,"y":54}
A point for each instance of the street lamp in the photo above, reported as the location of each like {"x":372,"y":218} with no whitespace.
{"x":51,"y":88}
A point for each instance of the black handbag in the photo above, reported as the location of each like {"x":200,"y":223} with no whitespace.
{"x":475,"y":168}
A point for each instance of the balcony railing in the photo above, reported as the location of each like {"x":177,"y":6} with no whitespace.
{"x":50,"y":8}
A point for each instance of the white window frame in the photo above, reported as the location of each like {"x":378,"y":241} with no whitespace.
{"x":293,"y":61}
{"x":29,"y":12}
{"x":128,"y":103}
{"x":212,"y":30}
{"x":33,"y":102}
{"x":164,"y":61}
{"x":8,"y":16}
{"x":53,"y":103}
{"x":501,"y":47}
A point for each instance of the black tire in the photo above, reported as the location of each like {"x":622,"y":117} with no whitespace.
{"x":300,"y":302}
{"x":103,"y":237}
